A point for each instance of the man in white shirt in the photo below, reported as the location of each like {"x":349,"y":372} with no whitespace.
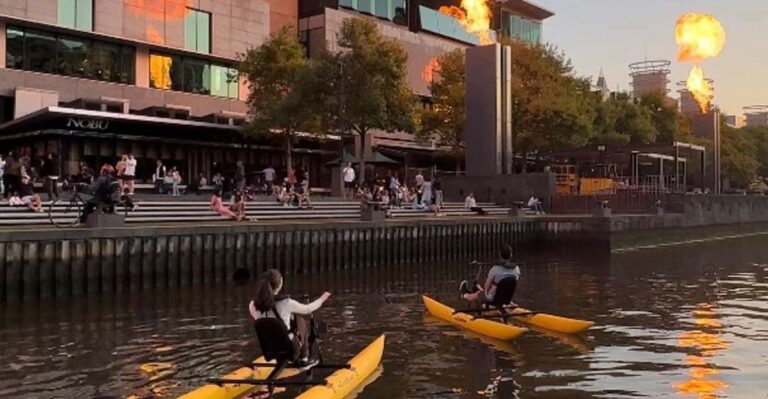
{"x":471,"y":204}
{"x":129,"y":174}
{"x":349,"y":182}
{"x":269,"y":178}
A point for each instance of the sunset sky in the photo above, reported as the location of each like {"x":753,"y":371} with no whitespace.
{"x":613,"y":33}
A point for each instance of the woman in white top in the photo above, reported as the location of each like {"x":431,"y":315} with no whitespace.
{"x":129,"y":174}
{"x":266,"y":303}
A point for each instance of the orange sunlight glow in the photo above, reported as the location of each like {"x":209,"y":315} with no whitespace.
{"x":475,"y":16}
{"x":429,"y":71}
{"x":703,"y":381}
{"x":699,"y":37}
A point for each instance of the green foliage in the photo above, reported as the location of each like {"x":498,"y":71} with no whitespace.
{"x":446,"y":119}
{"x":668,"y":122}
{"x":738,"y":156}
{"x":280,"y":98}
{"x":552,"y":108}
{"x":366,"y":83}
{"x":620,"y":121}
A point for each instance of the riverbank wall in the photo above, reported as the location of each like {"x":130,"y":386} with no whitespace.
{"x":74,"y":262}
{"x":60,"y":263}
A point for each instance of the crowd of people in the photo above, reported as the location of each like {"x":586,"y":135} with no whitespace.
{"x":389,"y":192}
{"x":231,"y":191}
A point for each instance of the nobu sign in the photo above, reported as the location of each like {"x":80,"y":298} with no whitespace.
{"x":87,"y":124}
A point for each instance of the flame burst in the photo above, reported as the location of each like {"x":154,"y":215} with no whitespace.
{"x":475,"y":16}
{"x":699,"y":37}
{"x":699,"y":88}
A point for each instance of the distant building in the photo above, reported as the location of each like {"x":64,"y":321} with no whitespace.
{"x":601,"y":86}
{"x":649,"y":76}
{"x":756,"y":115}
{"x":735,"y":121}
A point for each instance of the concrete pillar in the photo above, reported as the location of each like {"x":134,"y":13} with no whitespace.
{"x":219,"y":247}
{"x":47,"y":262}
{"x":148,"y":263}
{"x":208,"y":262}
{"x":108,"y":265}
{"x":2,"y":45}
{"x":142,"y":66}
{"x":62,"y":270}
{"x":185,"y":260}
{"x":121,"y":264}
{"x":489,"y":110}
{"x":134,"y":264}
{"x":172,"y":261}
{"x":197,"y":258}
{"x":161,"y":262}
{"x":93,"y":267}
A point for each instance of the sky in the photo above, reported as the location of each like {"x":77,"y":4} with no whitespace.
{"x":613,"y":33}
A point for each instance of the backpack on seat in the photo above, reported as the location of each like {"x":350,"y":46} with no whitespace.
{"x":275,"y":341}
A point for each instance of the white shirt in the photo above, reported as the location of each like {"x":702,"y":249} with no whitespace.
{"x":470,"y":203}
{"x":532,"y":202}
{"x":286,"y":308}
{"x":349,"y":175}
{"x":419,"y":179}
{"x":130,"y":167}
{"x":269,"y":174}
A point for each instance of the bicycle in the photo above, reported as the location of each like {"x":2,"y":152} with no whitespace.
{"x":74,"y":202}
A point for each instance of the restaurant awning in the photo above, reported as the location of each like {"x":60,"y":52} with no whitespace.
{"x":72,"y":119}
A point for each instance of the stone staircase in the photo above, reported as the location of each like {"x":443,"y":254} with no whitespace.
{"x":198,"y":211}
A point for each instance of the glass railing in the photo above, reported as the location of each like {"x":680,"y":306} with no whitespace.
{"x":445,"y":25}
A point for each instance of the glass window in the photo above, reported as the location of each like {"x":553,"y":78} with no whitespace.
{"x":67,"y":10}
{"x":40,"y":51}
{"x":76,"y":14}
{"x":106,"y":62}
{"x":384,"y":9}
{"x":14,"y":56}
{"x":84,"y":15}
{"x":127,"y":70}
{"x":160,"y":71}
{"x":348,"y":3}
{"x":73,"y":57}
{"x":224,"y":81}
{"x":197,"y":76}
{"x":365,"y":6}
{"x":197,"y":31}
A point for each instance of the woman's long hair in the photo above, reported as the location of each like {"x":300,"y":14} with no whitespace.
{"x":264,"y":300}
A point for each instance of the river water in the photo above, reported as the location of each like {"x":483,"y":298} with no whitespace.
{"x":687,"y":321}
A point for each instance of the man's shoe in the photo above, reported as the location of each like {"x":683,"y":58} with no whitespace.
{"x":306,"y":363}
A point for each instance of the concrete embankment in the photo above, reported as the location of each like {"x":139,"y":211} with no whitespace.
{"x":74,"y":262}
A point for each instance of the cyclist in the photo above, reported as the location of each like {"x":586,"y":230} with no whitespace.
{"x":103,"y":191}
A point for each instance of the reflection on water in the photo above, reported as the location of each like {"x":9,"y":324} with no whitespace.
{"x":706,"y":341}
{"x":687,"y":322}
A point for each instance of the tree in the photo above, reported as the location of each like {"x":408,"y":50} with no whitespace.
{"x":280,"y":78}
{"x":446,"y":119}
{"x":738,"y":156}
{"x":668,"y":121}
{"x":366,"y":84}
{"x":552,"y":108}
{"x":620,"y":121}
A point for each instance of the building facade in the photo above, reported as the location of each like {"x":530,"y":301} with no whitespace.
{"x":426,"y":33}
{"x":91,"y":80}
